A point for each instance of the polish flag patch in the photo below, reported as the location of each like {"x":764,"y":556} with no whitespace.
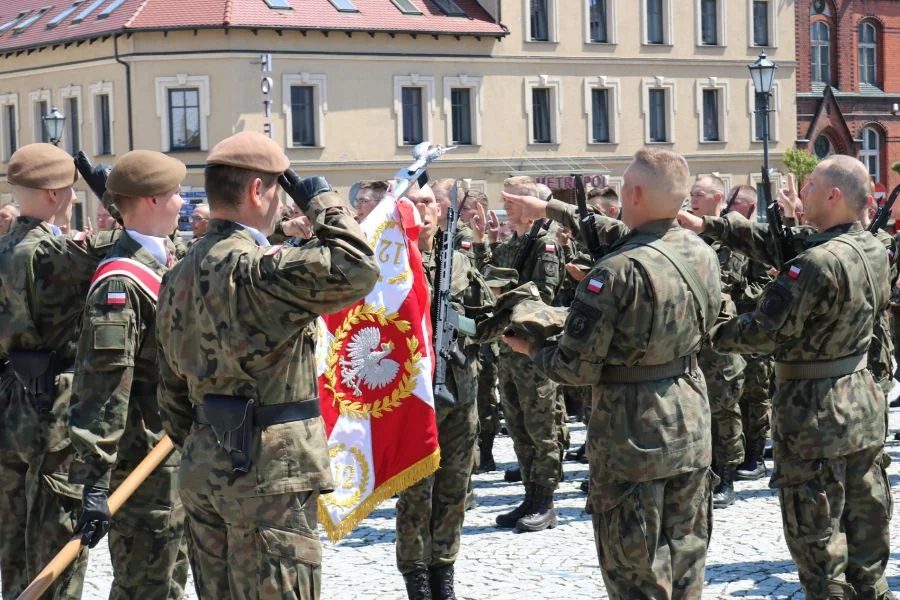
{"x":465,"y":245}
{"x":794,"y":272}
{"x":79,"y":236}
{"x":116,"y":299}
{"x":549,"y":247}
{"x":595,"y":286}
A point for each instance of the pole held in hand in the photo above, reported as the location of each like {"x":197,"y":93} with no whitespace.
{"x":72,"y":549}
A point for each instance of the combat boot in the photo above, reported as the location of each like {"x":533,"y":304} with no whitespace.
{"x":486,"y":454}
{"x":471,"y":500}
{"x":513,"y":475}
{"x":542,"y":514}
{"x":754,"y":467}
{"x":442,"y":583}
{"x":508,"y":520}
{"x":577,"y":455}
{"x":418,"y":586}
{"x":723,"y":495}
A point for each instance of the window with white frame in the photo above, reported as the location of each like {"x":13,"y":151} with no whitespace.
{"x":601,"y":106}
{"x":462,"y":109}
{"x":870,"y":152}
{"x":711,"y":23}
{"x":601,"y":18}
{"x":70,"y":101}
{"x":102,"y":116}
{"x":304,"y":104}
{"x":540,"y":20}
{"x":755,"y":104}
{"x":658,"y":107}
{"x":543,"y":106}
{"x":657,"y":16}
{"x":40,"y":107}
{"x":868,"y":53}
{"x":413,"y":106}
{"x":712,"y":110}
{"x":182,"y":106}
{"x":820,"y":47}
{"x":762,"y":23}
{"x":9,"y":125}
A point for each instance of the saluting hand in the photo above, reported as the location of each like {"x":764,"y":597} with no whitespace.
{"x":690,"y":221}
{"x":478,"y":223}
{"x":493,"y":227}
{"x":531,"y":208}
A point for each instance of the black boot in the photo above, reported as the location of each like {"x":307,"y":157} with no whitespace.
{"x":508,"y":520}
{"x":486,"y":454}
{"x":542,"y":514}
{"x":418,"y":586}
{"x":577,"y":455}
{"x":723,"y":495}
{"x":442,"y":583}
{"x":753,"y":467}
{"x":513,"y":475}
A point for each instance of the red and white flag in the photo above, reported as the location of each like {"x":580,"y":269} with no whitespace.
{"x":375,"y":364}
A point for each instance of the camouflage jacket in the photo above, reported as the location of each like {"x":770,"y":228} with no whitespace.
{"x":543,"y":266}
{"x":608,"y":230}
{"x":43,"y":282}
{"x":114,"y":417}
{"x":471,"y":296}
{"x":463,"y":241}
{"x":724,"y":366}
{"x":238,"y":319}
{"x":821,"y":307}
{"x":624,"y":314}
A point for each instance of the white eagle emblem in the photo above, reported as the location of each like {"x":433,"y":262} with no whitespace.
{"x":367,"y":362}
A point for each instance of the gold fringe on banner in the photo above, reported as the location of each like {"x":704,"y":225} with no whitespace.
{"x":388,"y":489}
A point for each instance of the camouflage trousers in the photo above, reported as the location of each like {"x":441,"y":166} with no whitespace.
{"x":725,"y":412}
{"x":530,"y":407}
{"x":38,"y":505}
{"x":488,"y":413}
{"x":256,"y":548}
{"x":147,"y":546}
{"x":756,"y":399}
{"x":836,"y":514}
{"x":561,"y":417}
{"x":430,"y":513}
{"x":652,"y":541}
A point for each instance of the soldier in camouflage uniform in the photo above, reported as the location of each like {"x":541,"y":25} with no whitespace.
{"x":44,"y":278}
{"x":114,"y":421}
{"x":828,"y":411}
{"x":724,"y":372}
{"x":430,"y":513}
{"x":649,"y":434}
{"x":528,"y":397}
{"x":236,"y":335}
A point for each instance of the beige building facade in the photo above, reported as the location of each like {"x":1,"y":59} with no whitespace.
{"x":574,"y":86}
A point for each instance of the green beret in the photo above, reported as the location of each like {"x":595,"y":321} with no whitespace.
{"x":252,"y":151}
{"x":144,"y":173}
{"x":41,"y":167}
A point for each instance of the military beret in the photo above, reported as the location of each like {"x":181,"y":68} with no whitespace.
{"x":142,"y":173}
{"x":250,"y":150}
{"x":500,"y":277}
{"x":41,"y":167}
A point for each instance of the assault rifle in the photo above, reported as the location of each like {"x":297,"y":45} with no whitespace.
{"x":95,"y":177}
{"x":445,"y":318}
{"x":586,"y":220}
{"x":526,"y":244}
{"x":730,"y":203}
{"x":884,"y":212}
{"x":784,"y":238}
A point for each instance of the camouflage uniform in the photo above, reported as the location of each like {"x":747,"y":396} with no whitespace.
{"x":529,"y":398}
{"x":114,"y":423}
{"x":44,"y":279}
{"x":238,"y":319}
{"x":430,"y":513}
{"x":650,"y":492}
{"x":828,"y":411}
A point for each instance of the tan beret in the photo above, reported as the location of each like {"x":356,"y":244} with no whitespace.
{"x":41,"y":167}
{"x":142,"y":173}
{"x":250,"y":150}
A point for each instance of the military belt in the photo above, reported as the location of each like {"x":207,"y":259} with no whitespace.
{"x":274,"y":414}
{"x":643,"y":373}
{"x":821,"y":369}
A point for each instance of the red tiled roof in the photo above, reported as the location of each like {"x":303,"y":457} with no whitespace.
{"x":135,"y":15}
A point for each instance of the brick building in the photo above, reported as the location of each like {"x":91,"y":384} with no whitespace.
{"x":848,"y":93}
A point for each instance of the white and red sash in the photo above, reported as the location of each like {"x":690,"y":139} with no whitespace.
{"x":140,"y":274}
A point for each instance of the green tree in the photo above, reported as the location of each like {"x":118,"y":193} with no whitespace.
{"x":801,"y":163}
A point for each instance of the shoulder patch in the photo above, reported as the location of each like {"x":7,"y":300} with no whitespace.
{"x":116,"y":298}
{"x":549,"y":247}
{"x":776,"y":300}
{"x":579,"y":325}
{"x":465,"y":244}
{"x":794,"y":272}
{"x":595,"y":286}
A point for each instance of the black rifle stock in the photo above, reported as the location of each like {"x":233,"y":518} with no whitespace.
{"x":784,"y":246}
{"x":95,"y":177}
{"x":884,"y":211}
{"x":730,"y":203}
{"x":586,"y":224}
{"x":444,"y":317}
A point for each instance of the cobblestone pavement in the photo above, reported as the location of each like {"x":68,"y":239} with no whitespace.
{"x":747,"y":556}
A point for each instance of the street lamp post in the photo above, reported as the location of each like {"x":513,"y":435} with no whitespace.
{"x":54,"y":121}
{"x":763,"y":74}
